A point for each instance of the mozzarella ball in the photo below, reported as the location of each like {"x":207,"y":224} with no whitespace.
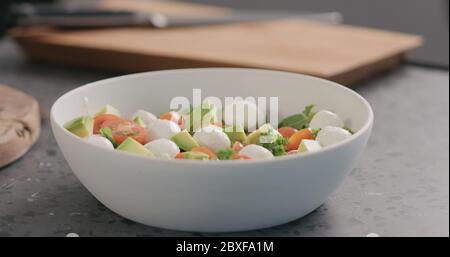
{"x":163,"y":147}
{"x":165,"y":156}
{"x":100,"y":141}
{"x":212,"y":137}
{"x":331,"y":135}
{"x":256,"y":152}
{"x":147,"y":117}
{"x":325,"y":118}
{"x":163,"y":129}
{"x":243,"y":113}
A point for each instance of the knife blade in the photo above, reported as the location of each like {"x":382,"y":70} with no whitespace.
{"x":30,"y":15}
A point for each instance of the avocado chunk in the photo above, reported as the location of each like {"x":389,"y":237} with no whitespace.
{"x":196,"y":156}
{"x":108,"y":109}
{"x":205,"y":114}
{"x":139,"y":121}
{"x":107,"y":133}
{"x":253,"y":138}
{"x":132,"y":146}
{"x":82,"y":126}
{"x":184,"y":140}
{"x":309,"y":146}
{"x":236,"y":133}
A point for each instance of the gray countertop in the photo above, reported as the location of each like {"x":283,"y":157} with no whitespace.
{"x":400,"y":187}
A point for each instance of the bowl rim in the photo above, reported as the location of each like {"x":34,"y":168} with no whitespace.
{"x":367,"y":125}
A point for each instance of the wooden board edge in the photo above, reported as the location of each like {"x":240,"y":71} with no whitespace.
{"x":361,"y":73}
{"x":36,"y":47}
{"x":86,"y":59}
{"x":366,"y":72}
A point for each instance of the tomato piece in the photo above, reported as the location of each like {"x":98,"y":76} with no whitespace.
{"x":167,"y":116}
{"x":295,"y":140}
{"x":287,"y":132}
{"x":180,"y":155}
{"x":121,"y":129}
{"x":98,"y":121}
{"x":240,"y":157}
{"x":206,"y":150}
{"x":173,"y":116}
{"x":237,"y":146}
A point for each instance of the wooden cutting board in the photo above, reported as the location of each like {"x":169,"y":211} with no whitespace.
{"x":342,"y":53}
{"x":19,"y":124}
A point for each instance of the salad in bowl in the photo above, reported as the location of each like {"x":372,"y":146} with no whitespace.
{"x":170,"y":135}
{"x":157,"y":164}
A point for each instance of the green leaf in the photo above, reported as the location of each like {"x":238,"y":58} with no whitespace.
{"x":308,"y":110}
{"x":300,"y":120}
{"x":315,"y":132}
{"x":273,"y":142}
{"x":225,"y":154}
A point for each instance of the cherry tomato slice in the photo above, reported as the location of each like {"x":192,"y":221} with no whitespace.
{"x":121,"y":129}
{"x":295,"y":140}
{"x":237,"y":146}
{"x":180,"y":155}
{"x":287,"y":132}
{"x":98,"y":121}
{"x":240,"y":157}
{"x":206,"y":150}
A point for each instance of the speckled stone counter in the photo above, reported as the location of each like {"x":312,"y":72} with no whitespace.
{"x":400,"y":187}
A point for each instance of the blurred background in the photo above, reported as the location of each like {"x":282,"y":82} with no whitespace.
{"x":429,"y":19}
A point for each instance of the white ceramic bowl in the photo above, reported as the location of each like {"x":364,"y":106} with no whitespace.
{"x":212,"y":196}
